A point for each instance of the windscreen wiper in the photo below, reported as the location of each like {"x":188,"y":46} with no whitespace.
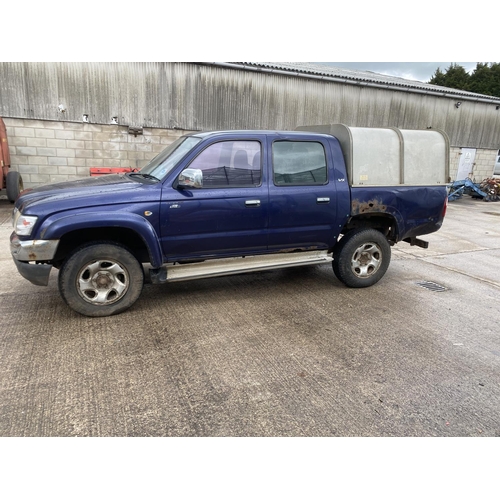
{"x":145,"y":176}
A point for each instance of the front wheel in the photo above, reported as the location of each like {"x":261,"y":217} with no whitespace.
{"x":361,"y":258}
{"x":101,"y":279}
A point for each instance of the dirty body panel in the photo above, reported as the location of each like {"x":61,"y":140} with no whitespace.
{"x":415,"y":210}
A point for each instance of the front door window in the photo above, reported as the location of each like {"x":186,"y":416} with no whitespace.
{"x":230,"y":164}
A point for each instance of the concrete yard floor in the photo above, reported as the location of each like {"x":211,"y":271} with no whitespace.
{"x":278,"y":353}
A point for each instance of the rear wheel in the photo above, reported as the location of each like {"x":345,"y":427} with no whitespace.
{"x":101,"y":279}
{"x":14,"y":185}
{"x":361,"y":258}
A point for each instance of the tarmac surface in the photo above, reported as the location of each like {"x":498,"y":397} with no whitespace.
{"x":277,"y":353}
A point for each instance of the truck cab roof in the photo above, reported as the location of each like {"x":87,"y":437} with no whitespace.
{"x":215,"y":133}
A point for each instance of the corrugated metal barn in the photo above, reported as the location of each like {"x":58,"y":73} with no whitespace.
{"x":210,"y":96}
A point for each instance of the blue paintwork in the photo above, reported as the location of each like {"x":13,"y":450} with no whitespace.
{"x":203,"y":223}
{"x":213,"y":222}
{"x":56,"y":226}
{"x":296,"y":219}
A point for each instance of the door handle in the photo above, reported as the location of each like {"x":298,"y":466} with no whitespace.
{"x":252,"y":203}
{"x":323,"y":200}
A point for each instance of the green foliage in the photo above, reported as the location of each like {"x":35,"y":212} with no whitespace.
{"x":438,"y":78}
{"x":485,"y":79}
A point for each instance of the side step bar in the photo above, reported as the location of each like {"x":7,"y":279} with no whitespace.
{"x":236,"y":265}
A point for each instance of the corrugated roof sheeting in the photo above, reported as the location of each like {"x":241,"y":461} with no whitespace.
{"x":361,"y":77}
{"x":206,"y":96}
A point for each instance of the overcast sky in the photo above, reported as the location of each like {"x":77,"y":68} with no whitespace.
{"x":421,"y":71}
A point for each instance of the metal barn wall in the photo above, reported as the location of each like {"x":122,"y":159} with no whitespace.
{"x":193,"y":96}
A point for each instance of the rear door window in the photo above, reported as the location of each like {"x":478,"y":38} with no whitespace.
{"x":299,"y":163}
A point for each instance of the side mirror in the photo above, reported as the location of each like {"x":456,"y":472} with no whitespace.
{"x":190,"y":178}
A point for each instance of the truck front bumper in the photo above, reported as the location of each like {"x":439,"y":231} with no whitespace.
{"x":30,"y":258}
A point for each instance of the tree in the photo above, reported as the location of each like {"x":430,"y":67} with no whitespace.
{"x":457,"y":77}
{"x":485,"y":79}
{"x":438,"y":78}
{"x":481,"y":80}
{"x":495,"y":80}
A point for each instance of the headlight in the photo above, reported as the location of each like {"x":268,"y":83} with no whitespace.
{"x":23,"y":224}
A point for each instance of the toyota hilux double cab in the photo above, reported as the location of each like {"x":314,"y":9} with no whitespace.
{"x":225,"y":202}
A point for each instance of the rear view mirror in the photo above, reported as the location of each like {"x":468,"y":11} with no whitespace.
{"x":190,"y":178}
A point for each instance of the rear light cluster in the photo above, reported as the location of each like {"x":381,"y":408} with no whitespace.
{"x":445,"y":206}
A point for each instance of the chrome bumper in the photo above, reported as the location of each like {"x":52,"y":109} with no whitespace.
{"x":39,"y":250}
{"x":24,"y":252}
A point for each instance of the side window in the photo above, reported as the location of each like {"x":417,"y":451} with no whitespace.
{"x":230,"y":164}
{"x":299,"y":163}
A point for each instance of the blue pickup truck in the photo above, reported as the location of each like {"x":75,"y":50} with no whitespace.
{"x":226,"y":202}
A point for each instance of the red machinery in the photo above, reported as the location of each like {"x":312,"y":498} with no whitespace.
{"x":9,"y":179}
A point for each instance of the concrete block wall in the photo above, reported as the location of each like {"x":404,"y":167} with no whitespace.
{"x":49,"y":151}
{"x":484,"y":163}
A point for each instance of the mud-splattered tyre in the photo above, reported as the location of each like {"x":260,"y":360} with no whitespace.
{"x":361,"y":258}
{"x":14,"y":185}
{"x":101,"y":279}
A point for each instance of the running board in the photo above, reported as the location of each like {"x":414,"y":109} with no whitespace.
{"x":236,"y":265}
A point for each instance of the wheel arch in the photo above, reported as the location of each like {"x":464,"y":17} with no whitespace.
{"x":386,"y":223}
{"x":128,"y":230}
